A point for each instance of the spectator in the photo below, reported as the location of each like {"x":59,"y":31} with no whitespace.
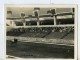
{"x":14,"y":42}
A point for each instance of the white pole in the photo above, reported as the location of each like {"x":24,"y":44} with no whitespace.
{"x":37,"y":21}
{"x":54,"y":20}
{"x":23,"y":21}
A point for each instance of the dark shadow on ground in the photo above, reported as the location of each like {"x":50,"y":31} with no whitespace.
{"x":38,"y":50}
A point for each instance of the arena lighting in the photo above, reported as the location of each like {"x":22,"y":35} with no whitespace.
{"x":36,"y":8}
{"x":52,"y":11}
{"x":9,"y":12}
{"x":22,"y":14}
{"x":36,"y":12}
{"x":23,"y":18}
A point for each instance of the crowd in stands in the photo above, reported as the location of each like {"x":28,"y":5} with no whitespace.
{"x":44,"y":29}
{"x":44,"y":32}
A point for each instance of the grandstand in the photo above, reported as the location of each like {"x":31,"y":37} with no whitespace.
{"x":54,"y":26}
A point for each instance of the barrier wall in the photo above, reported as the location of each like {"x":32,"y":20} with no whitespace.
{"x":43,"y":40}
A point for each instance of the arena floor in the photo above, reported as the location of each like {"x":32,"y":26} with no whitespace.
{"x":37,"y":50}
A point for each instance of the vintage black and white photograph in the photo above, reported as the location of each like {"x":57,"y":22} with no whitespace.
{"x":40,"y":31}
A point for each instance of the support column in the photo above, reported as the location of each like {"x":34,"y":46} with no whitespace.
{"x":13,"y":23}
{"x":73,"y":12}
{"x":54,"y":20}
{"x":23,"y":18}
{"x":36,"y":12}
{"x":24,"y":24}
{"x":37,"y":21}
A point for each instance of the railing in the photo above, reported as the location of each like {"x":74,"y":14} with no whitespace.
{"x":67,"y":25}
{"x":43,"y":40}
